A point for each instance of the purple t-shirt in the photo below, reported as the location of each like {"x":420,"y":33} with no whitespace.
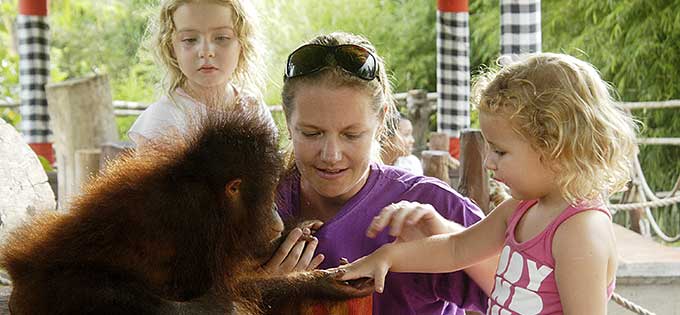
{"x":345,"y":236}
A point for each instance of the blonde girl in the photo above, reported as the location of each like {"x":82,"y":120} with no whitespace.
{"x":559,"y":142}
{"x":209,"y":52}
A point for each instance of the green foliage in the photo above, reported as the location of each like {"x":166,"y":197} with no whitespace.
{"x":124,"y":123}
{"x":280,"y":120}
{"x":102,"y":37}
{"x":45,"y":164}
{"x":11,"y":117}
{"x":402,"y":30}
{"x":9,"y":59}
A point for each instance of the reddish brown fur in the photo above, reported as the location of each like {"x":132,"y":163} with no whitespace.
{"x":157,"y":234}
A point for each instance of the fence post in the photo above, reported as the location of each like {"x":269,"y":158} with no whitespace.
{"x":87,"y":166}
{"x":438,"y":141}
{"x":436,"y":164}
{"x":113,"y":150}
{"x":474,"y":180}
{"x":419,"y":111}
{"x":81,"y":113}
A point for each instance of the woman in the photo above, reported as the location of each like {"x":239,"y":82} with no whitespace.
{"x":337,"y":100}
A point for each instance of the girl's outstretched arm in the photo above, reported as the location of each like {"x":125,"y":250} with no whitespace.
{"x":436,"y":254}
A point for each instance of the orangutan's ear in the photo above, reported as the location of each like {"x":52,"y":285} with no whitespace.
{"x":233,"y":190}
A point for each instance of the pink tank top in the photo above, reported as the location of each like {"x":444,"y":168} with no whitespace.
{"x":525,"y":282}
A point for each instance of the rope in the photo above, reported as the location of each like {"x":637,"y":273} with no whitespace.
{"x":630,"y":305}
{"x":646,"y":194}
{"x":651,"y":105}
{"x":647,"y":204}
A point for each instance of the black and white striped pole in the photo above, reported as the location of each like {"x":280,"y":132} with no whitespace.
{"x":34,"y":70}
{"x":453,"y":70}
{"x":520,"y":28}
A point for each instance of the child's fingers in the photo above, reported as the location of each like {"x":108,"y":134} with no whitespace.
{"x":414,"y":217}
{"x":381,"y":220}
{"x":379,"y":280}
{"x":400,"y":212}
{"x":350,"y":274}
{"x":397,"y":222}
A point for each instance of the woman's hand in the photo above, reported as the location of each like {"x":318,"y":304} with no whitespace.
{"x":410,"y":221}
{"x":296,"y":252}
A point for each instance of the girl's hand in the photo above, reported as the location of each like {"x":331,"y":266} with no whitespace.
{"x":375,"y":266}
{"x":296,"y":252}
{"x":410,"y":221}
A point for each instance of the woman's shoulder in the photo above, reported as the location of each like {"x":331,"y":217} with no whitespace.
{"x":391,"y":175}
{"x":419,"y":188}
{"x":424,"y":189}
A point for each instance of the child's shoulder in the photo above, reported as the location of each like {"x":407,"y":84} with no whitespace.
{"x":169,"y":105}
{"x":588,"y":222}
{"x":589,"y":231}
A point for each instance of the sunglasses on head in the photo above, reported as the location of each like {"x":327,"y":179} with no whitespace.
{"x":311,"y":58}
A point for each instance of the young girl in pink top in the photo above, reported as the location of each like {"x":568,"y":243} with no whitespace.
{"x":559,"y":142}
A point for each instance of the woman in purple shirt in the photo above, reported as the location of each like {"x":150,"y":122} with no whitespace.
{"x":337,"y":100}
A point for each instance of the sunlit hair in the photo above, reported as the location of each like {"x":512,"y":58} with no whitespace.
{"x":248,"y":73}
{"x":561,"y":106}
{"x":335,"y":77}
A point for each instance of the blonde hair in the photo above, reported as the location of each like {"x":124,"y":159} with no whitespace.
{"x":248,"y":73}
{"x":565,"y":110}
{"x":380,"y":89}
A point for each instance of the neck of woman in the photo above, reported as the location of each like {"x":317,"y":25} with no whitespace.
{"x":315,"y":206}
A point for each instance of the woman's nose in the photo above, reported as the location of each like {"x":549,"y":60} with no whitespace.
{"x":331,"y":151}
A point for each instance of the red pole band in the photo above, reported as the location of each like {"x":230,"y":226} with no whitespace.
{"x":43,"y":149}
{"x":33,"y":7}
{"x":454,"y":147}
{"x":452,"y":5}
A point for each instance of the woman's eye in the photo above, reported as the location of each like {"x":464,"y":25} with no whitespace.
{"x":499,"y":152}
{"x":353,"y":136}
{"x":222,"y":38}
{"x":310,"y":134}
{"x":189,"y":40}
